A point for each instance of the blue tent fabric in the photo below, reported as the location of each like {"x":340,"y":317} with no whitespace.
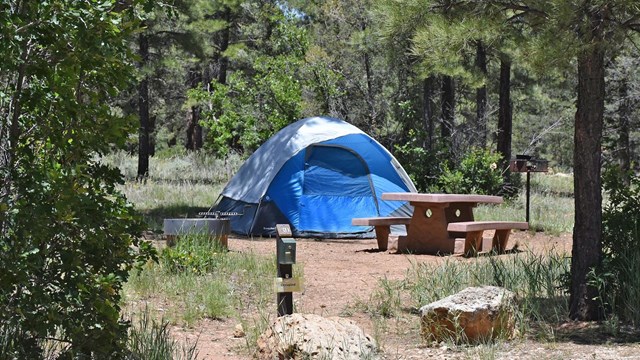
{"x":315,"y":175}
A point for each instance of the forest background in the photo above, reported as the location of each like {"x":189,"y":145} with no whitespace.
{"x":436,"y":82}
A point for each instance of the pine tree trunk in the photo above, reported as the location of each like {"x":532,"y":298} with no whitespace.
{"x":587,"y":233}
{"x":193,"y":119}
{"x":143,"y":111}
{"x":505,"y":116}
{"x":624,"y":115}
{"x":194,"y":129}
{"x":481,"y":97}
{"x":427,"y":110}
{"x":448,"y":107}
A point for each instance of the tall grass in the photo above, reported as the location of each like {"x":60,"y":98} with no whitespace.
{"x":197,"y":279}
{"x":181,"y":166}
{"x":179,"y":185}
{"x":539,"y":282}
{"x":150,"y":339}
{"x":531,"y":277}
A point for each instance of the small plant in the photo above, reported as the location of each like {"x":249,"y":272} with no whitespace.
{"x":199,"y":254}
{"x":151,"y":340}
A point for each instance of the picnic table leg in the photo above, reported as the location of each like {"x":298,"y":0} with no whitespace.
{"x":473,"y":243}
{"x":499,"y":242}
{"x":382,"y":235}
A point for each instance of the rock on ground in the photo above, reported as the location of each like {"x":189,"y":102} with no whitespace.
{"x":474,"y":314}
{"x":310,"y":336}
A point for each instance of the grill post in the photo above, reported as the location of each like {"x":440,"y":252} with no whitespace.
{"x":525,"y":163}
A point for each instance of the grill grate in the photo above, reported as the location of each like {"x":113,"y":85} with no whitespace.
{"x":218,"y":214}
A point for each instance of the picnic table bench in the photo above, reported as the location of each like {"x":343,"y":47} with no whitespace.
{"x":382,"y":226}
{"x":474,"y":230}
{"x":438,"y":220}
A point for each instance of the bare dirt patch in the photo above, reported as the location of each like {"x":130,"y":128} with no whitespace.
{"x":339,"y":273}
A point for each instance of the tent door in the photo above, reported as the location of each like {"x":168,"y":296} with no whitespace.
{"x":337,"y":187}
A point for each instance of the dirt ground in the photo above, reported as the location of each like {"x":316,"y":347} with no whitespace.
{"x":338,"y":273}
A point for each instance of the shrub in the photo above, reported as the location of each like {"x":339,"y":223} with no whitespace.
{"x":423,"y":166}
{"x":617,"y":277}
{"x":68,"y":238}
{"x":477,"y":173}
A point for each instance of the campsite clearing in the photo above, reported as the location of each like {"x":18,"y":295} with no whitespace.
{"x":342,"y":275}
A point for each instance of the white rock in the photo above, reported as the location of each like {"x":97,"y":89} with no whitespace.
{"x":310,"y":336}
{"x":474,"y":314}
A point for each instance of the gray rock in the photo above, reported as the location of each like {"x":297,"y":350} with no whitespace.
{"x":310,"y":336}
{"x":474,"y":314}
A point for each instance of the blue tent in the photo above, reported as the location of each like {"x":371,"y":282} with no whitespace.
{"x":315,"y":174}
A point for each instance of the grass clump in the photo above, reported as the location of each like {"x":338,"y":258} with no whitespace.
{"x":538,"y":281}
{"x":150,"y":339}
{"x":199,"y":279}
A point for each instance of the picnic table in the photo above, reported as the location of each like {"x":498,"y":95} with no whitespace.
{"x":440,"y":220}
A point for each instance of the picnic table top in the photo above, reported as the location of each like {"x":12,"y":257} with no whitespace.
{"x":442,"y":198}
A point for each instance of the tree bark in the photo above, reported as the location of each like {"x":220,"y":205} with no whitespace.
{"x":193,"y":118}
{"x":505,"y":117}
{"x":427,"y":110}
{"x":587,"y":233}
{"x":448,"y":107}
{"x":481,"y":96}
{"x":624,"y":116}
{"x":143,"y":111}
{"x":193,"y":115}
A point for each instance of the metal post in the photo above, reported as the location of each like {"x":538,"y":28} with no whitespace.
{"x":528,"y":191}
{"x":285,"y":271}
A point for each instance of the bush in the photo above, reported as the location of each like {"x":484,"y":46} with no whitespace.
{"x":477,"y":173}
{"x":68,"y":238}
{"x":423,"y":166}
{"x":617,"y":277}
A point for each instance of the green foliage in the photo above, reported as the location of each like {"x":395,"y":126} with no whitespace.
{"x":256,"y":102}
{"x":193,"y":253}
{"x":198,"y":279}
{"x":68,"y":237}
{"x":423,"y":166}
{"x":477,"y":173}
{"x":617,"y":277}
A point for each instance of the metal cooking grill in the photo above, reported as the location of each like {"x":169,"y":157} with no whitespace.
{"x":218,"y":214}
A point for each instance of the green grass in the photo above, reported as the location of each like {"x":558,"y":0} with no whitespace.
{"x":198,"y":167}
{"x":197,"y":279}
{"x":551,"y":205}
{"x":151,"y":339}
{"x":539,"y":282}
{"x":157,"y":201}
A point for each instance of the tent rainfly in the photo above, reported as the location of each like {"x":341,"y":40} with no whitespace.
{"x":315,"y":175}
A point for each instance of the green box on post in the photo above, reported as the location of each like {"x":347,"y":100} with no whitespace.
{"x":287,"y":251}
